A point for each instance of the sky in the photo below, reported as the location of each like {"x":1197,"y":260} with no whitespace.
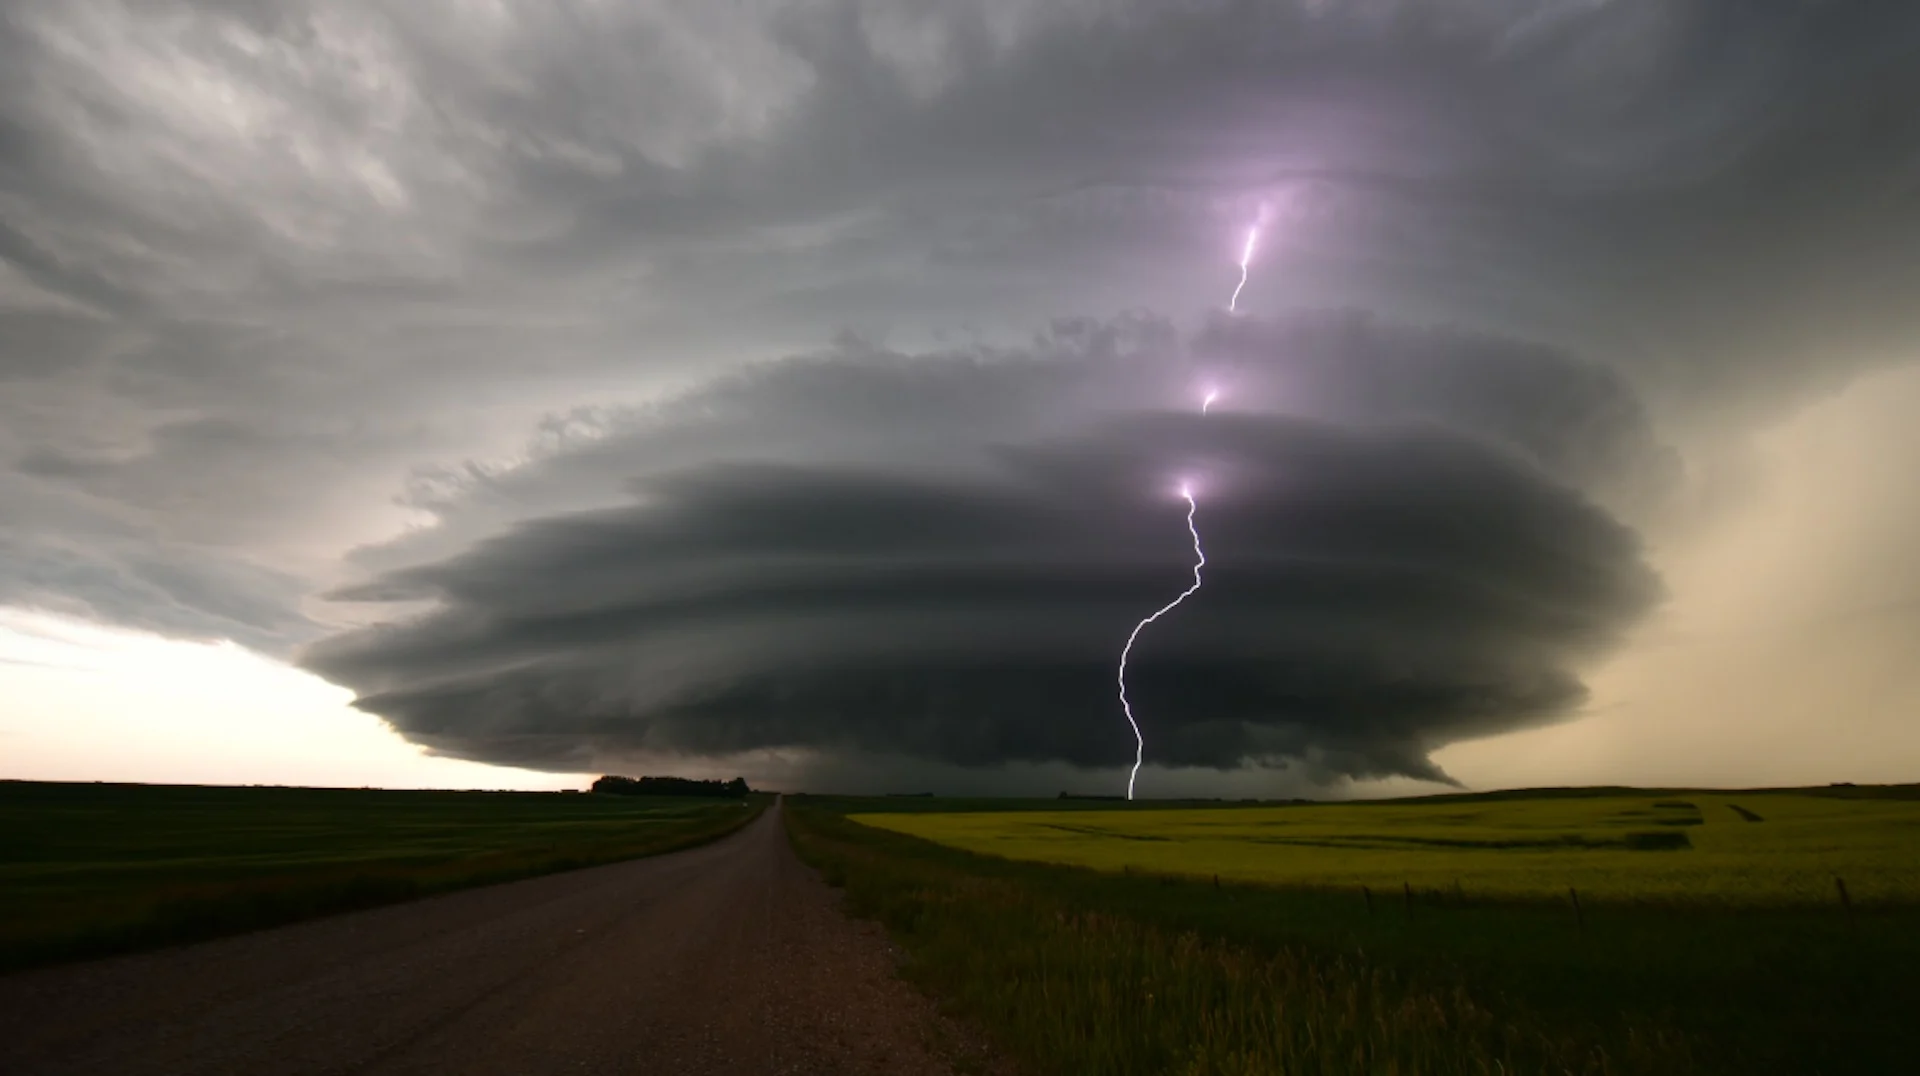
{"x":482,"y":393}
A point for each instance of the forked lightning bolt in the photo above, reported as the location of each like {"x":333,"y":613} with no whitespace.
{"x":1200,"y":561}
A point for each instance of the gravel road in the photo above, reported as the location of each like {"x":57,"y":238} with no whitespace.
{"x":730,"y":958}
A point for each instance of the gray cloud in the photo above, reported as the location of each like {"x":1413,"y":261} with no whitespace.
{"x":152,"y":586}
{"x":267,"y":268}
{"x":1581,"y":422}
{"x":1377,"y":587}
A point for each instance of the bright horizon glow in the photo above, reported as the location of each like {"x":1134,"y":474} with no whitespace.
{"x":90,"y":703}
{"x":1733,"y":685}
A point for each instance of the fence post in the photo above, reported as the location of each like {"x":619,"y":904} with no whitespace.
{"x":1579,"y":917}
{"x":1845,"y":902}
{"x":1368,"y":893}
{"x":1407,"y":887}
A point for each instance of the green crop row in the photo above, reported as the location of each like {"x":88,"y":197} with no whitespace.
{"x":1696,"y":848}
{"x":1073,"y":970}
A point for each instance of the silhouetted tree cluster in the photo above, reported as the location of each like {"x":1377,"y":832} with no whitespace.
{"x":670,"y":786}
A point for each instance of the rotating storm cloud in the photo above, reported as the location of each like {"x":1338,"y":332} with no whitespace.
{"x":951,"y":602}
{"x":966,"y":267}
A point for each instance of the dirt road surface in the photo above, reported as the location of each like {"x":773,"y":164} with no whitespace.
{"x":730,"y":958}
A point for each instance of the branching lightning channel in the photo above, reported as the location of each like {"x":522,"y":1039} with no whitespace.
{"x":1200,"y":561}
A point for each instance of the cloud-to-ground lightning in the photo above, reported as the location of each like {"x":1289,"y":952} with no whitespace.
{"x":1199,"y":554}
{"x":1200,"y":561}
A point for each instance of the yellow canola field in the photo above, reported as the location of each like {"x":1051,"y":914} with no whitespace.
{"x":1722,"y":848}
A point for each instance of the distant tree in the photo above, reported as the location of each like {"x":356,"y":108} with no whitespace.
{"x":670,"y":786}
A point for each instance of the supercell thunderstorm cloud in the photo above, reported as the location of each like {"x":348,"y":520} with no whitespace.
{"x":1378,"y":586}
{"x":805,"y":389}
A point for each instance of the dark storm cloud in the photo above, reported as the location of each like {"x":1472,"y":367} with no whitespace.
{"x":265,"y":266}
{"x":1577,"y":420}
{"x":1716,"y":192}
{"x":1376,"y":588}
{"x":385,"y":234}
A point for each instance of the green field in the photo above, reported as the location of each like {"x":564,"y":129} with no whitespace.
{"x":1731,"y":953}
{"x":1739,"y":849}
{"x":87,"y":869}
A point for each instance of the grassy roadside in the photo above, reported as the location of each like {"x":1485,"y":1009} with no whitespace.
{"x":91,"y":870}
{"x":1072,"y":970}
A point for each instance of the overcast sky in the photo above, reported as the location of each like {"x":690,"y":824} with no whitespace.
{"x":804,"y":389}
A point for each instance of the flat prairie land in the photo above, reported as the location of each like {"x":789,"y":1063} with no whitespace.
{"x":1767,"y":848}
{"x":1416,"y":936}
{"x":730,"y":958}
{"x":88,"y":869}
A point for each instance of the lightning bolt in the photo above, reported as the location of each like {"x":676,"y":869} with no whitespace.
{"x":1246,"y":258}
{"x":1199,"y":554}
{"x":1200,"y":561}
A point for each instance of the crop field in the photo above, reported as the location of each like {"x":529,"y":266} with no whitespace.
{"x":1740,"y":849}
{"x":87,"y":869}
{"x":1096,"y":938}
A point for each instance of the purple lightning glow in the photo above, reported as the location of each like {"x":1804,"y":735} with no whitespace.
{"x":1200,"y":561}
{"x":1246,"y":259}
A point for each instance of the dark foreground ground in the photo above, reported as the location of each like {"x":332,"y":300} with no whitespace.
{"x":729,"y":958}
{"x":90,"y":870}
{"x":1126,"y":972}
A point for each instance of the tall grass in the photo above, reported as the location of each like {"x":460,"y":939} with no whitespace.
{"x":1069,"y":988}
{"x":1073,"y":970}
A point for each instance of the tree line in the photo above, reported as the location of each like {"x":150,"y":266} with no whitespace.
{"x":670,"y":786}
